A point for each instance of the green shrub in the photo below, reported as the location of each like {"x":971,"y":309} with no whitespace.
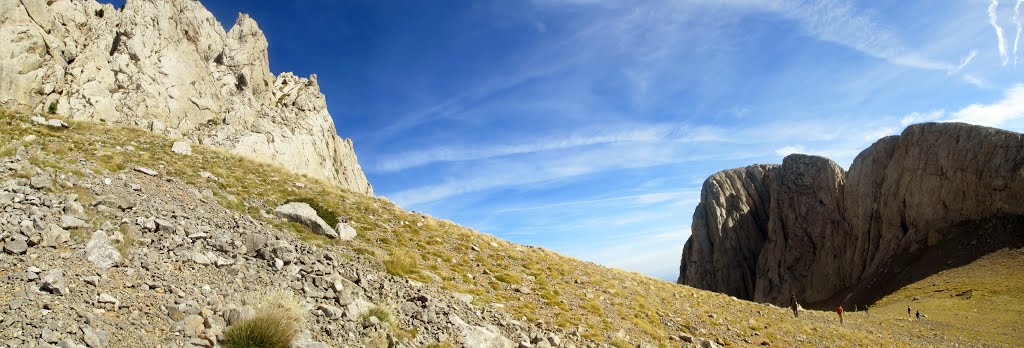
{"x":52,"y":109}
{"x":329,"y":216}
{"x":98,"y":12}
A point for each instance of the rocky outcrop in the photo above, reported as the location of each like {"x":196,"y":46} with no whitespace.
{"x":908,"y":205}
{"x":168,"y":66}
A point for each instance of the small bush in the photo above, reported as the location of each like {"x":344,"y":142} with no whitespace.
{"x":98,"y":12}
{"x":263,"y":330}
{"x":279,"y":317}
{"x":379,"y":313}
{"x":241,"y":82}
{"x":401,"y":263}
{"x":329,"y":216}
{"x":52,"y":108}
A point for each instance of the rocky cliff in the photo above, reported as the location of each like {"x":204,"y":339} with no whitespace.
{"x":169,"y":66}
{"x":937,"y":195}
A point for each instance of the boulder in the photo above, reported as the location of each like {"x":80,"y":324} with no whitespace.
{"x":16,"y":246}
{"x":479,"y":336}
{"x":304,"y":214}
{"x":345,"y":232}
{"x":182,"y":148}
{"x":100,"y":252}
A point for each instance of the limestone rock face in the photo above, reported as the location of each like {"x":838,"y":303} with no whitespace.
{"x":807,"y":228}
{"x":168,"y":66}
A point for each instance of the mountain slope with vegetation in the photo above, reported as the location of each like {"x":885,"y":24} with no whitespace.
{"x":405,"y":280}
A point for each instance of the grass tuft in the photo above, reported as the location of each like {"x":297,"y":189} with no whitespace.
{"x":401,"y":263}
{"x":279,"y":317}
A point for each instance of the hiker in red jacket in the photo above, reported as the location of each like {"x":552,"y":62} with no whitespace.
{"x":840,"y":312}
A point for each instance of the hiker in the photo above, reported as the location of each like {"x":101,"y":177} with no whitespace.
{"x":840,"y":311}
{"x":908,"y":311}
{"x":792,"y":303}
{"x":919,"y":314}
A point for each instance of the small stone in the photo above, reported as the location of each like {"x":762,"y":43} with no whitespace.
{"x":371,"y":321}
{"x":40,"y":182}
{"x":191,"y":326}
{"x":201,"y":258}
{"x":107,"y":181}
{"x":107,"y":298}
{"x":53,"y":281}
{"x":94,"y":338}
{"x":164,"y":226}
{"x":238,"y":314}
{"x":331,"y":312}
{"x":68,"y":221}
{"x":16,"y":247}
{"x":182,"y":148}
{"x":147,"y":171}
{"x":55,"y":236}
{"x":53,"y":122}
{"x":91,"y":280}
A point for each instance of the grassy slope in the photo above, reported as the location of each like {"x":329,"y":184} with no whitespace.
{"x":993,"y":313}
{"x":600,"y":303}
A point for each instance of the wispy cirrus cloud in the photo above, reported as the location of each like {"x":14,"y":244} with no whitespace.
{"x":842,"y":23}
{"x":993,"y":19}
{"x":1020,"y":27}
{"x":647,"y":198}
{"x":406,"y":160}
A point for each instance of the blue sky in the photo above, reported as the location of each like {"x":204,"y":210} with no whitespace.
{"x":587,"y":127}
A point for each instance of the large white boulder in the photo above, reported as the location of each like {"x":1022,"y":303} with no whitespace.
{"x":304,"y":214}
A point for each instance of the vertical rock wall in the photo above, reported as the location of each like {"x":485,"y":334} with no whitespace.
{"x":835,"y":237}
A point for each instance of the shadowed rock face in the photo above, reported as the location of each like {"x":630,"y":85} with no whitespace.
{"x":168,"y":66}
{"x":765,"y":232}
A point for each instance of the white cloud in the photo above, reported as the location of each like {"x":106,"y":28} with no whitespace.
{"x":1020,"y":27}
{"x":880,"y":133}
{"x":993,"y":19}
{"x":1011,"y":107}
{"x":789,"y":150}
{"x":918,"y":117}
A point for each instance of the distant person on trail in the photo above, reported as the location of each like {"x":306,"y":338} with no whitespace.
{"x":908,"y":311}
{"x":840,"y":312}
{"x":919,"y":314}
{"x":794,"y":305}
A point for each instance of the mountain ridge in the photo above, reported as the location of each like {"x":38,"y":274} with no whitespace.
{"x":168,"y":66}
{"x":829,"y":236}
